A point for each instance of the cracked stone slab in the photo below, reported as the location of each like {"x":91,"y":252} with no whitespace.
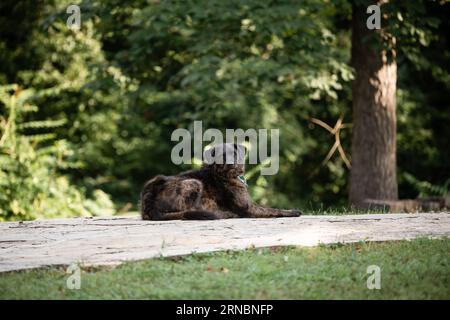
{"x":113,"y":240}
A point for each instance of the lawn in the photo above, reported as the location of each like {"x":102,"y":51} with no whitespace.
{"x":418,"y":269}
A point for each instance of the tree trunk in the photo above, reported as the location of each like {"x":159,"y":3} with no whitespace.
{"x":373,"y":172}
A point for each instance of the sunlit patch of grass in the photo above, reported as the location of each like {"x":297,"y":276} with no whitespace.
{"x":337,"y":211}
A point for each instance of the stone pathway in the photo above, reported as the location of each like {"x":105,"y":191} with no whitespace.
{"x":112,"y":240}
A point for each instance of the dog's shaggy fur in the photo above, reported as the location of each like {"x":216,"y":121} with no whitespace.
{"x":213,"y":192}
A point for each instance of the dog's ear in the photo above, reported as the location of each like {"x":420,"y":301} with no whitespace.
{"x":209,"y":155}
{"x":240,"y":152}
{"x":240,"y":149}
{"x":225,"y":153}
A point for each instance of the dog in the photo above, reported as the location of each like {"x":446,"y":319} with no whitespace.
{"x":216,"y":191}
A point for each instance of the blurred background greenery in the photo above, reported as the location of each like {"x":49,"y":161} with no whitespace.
{"x":86,"y":116}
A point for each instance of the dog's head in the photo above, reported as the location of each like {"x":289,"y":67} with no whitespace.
{"x":226,"y":159}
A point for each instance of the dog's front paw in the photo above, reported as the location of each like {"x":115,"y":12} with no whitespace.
{"x":293,"y":213}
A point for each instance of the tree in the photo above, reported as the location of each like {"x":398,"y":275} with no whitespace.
{"x":373,"y":173}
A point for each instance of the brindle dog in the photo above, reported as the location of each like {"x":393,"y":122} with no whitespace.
{"x":216,"y":191}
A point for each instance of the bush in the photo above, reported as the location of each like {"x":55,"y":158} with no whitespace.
{"x":31,"y":164}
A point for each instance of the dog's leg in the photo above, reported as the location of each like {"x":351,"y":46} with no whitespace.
{"x":243,"y":205}
{"x":186,"y":215}
{"x":257,"y":211}
{"x":168,"y":216}
{"x":202,"y":215}
{"x":194,"y":215}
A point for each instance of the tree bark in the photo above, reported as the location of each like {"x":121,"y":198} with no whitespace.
{"x":373,"y":172}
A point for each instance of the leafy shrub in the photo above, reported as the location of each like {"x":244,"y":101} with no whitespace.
{"x":426,"y":188}
{"x":31,"y":164}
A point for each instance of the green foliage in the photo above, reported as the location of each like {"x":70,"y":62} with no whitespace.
{"x":426,"y":188}
{"x":31,"y":160}
{"x":236,"y":64}
{"x":111,"y":93}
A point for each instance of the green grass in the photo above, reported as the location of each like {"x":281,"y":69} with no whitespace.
{"x":339,"y":211}
{"x":416,"y":269}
